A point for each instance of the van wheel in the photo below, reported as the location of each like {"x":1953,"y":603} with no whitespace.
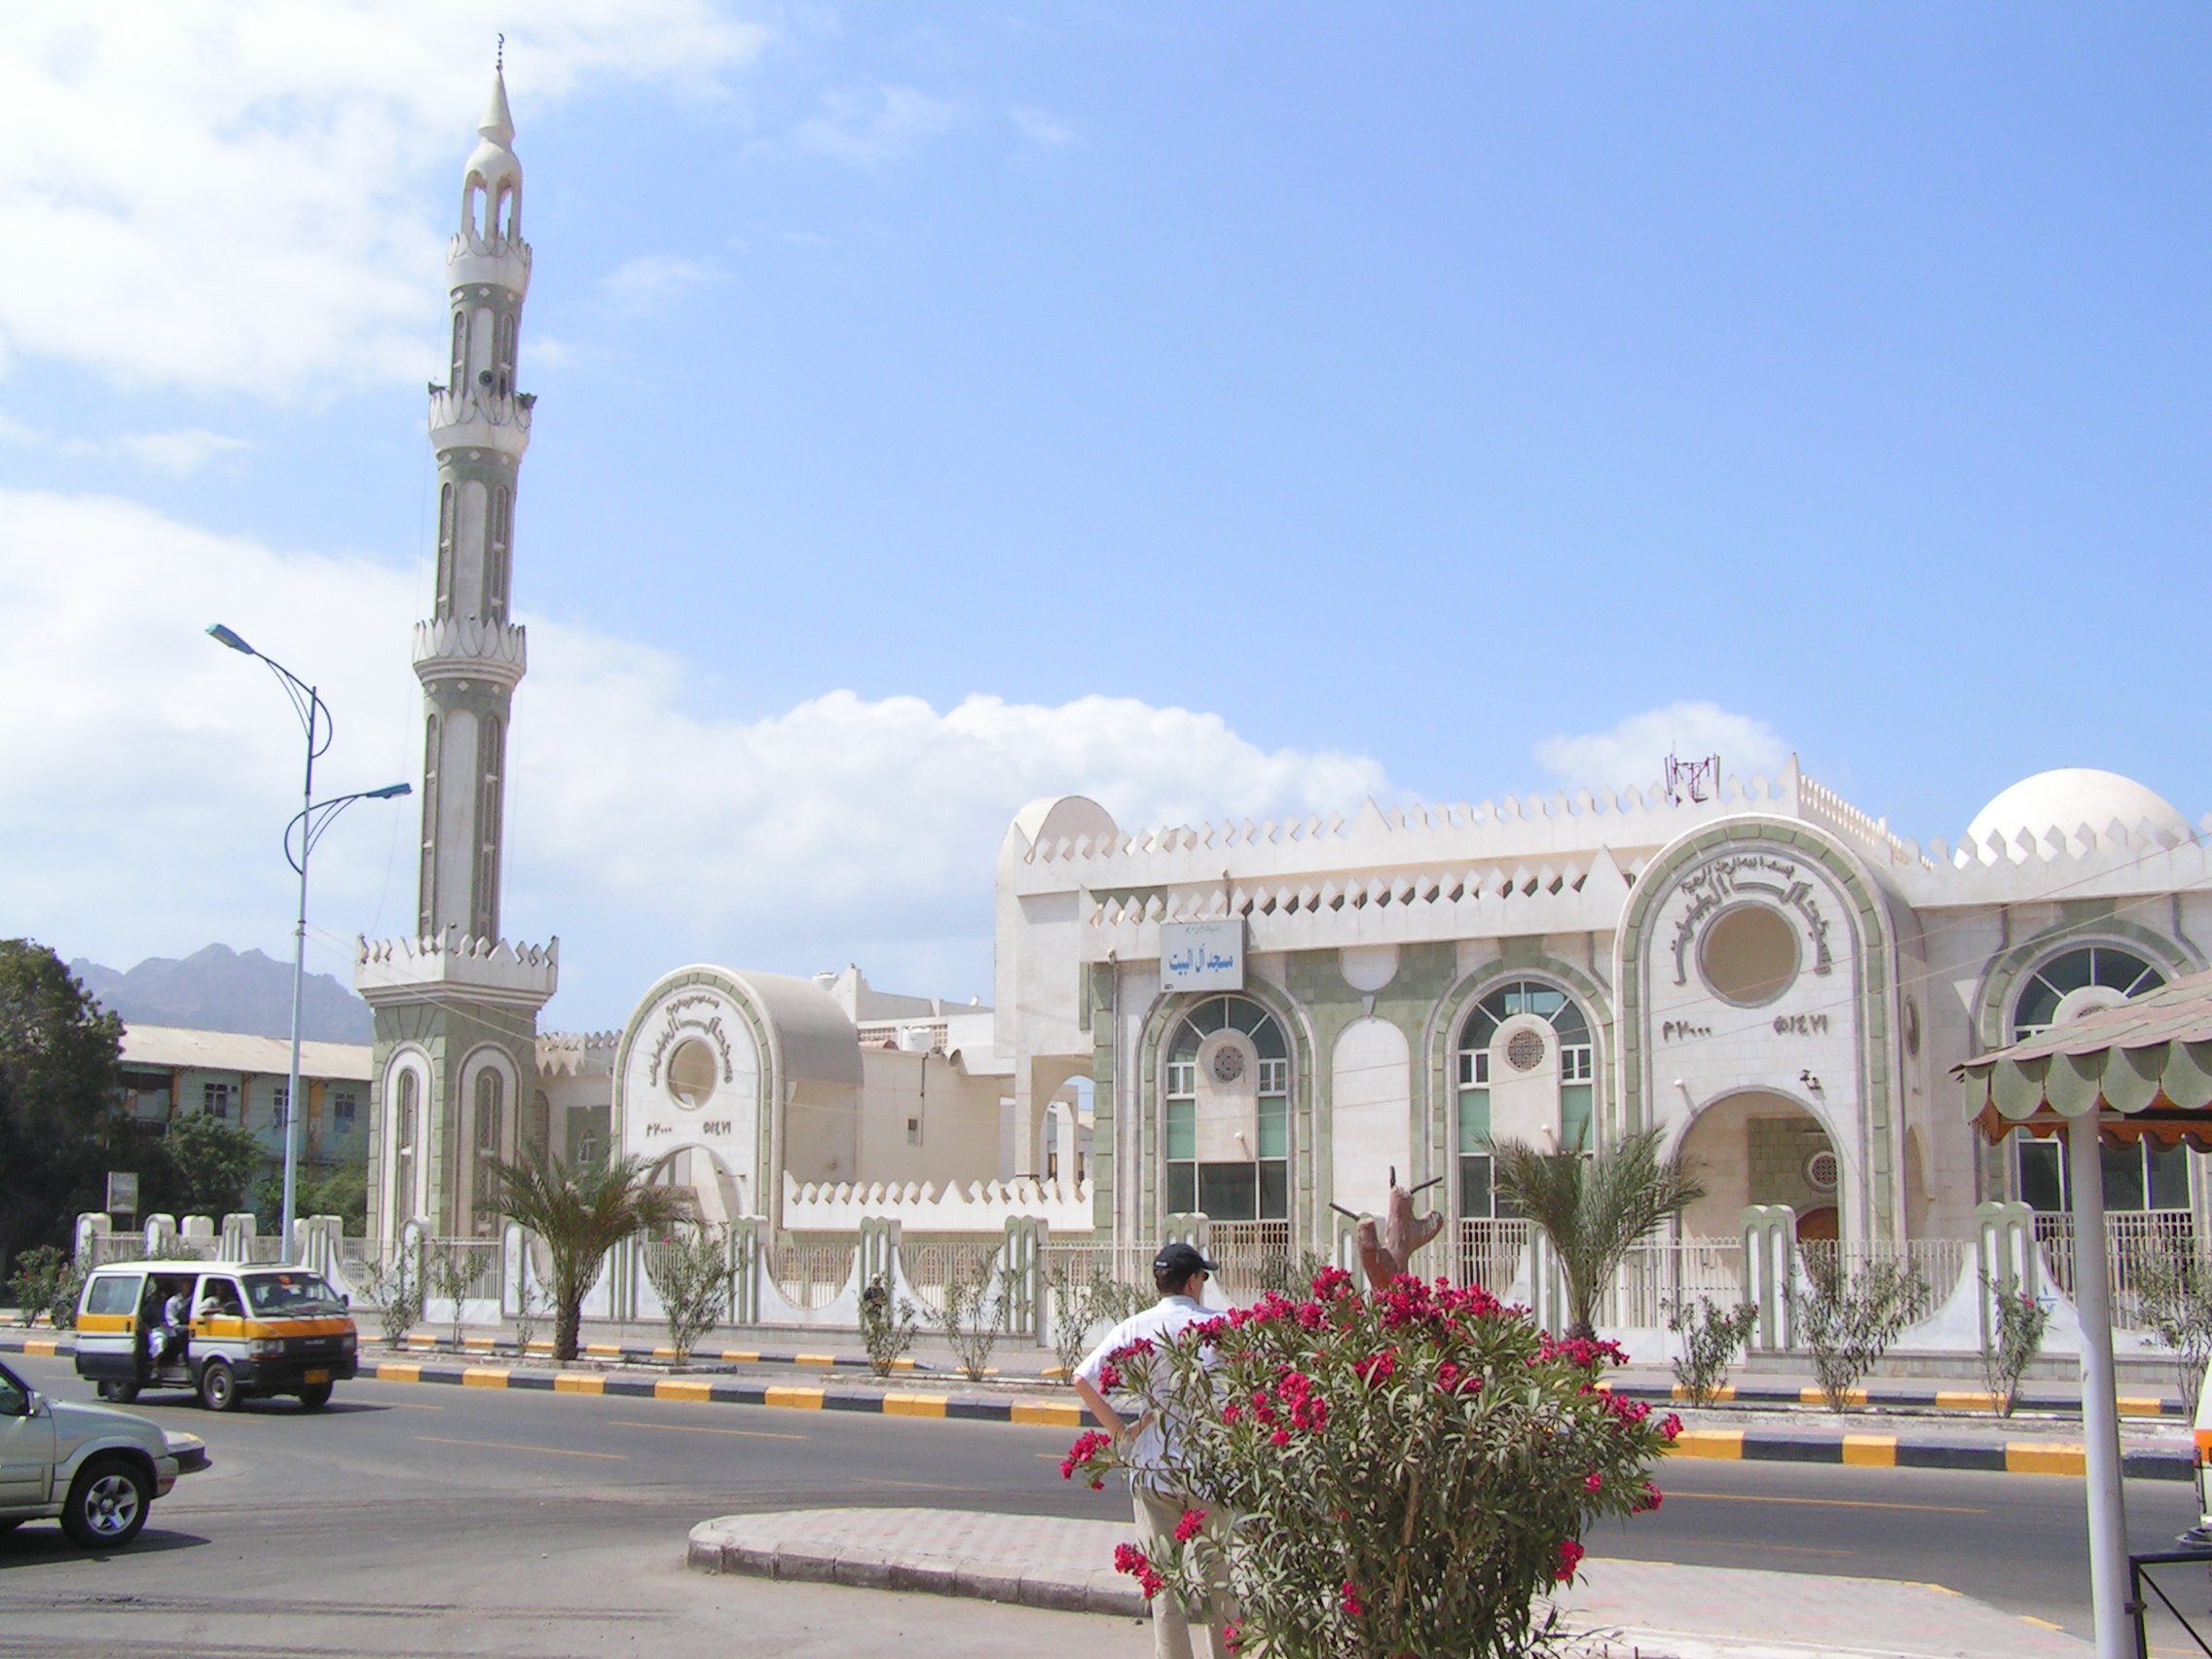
{"x":107,"y":1503}
{"x":218,"y":1388}
{"x":315,"y":1396}
{"x":119,"y":1393}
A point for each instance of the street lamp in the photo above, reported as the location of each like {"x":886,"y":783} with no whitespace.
{"x":311,"y":820}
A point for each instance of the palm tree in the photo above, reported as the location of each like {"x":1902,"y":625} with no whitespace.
{"x":1595,"y":1209}
{"x":582,"y":1214}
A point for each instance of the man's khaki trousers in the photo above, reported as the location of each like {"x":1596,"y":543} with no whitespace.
{"x":1174,"y":1635}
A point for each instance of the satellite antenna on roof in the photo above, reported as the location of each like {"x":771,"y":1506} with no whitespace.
{"x":1692,"y":780}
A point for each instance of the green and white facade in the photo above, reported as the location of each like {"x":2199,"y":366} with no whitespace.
{"x":1276,"y":1017}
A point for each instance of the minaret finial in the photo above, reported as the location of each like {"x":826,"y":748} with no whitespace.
{"x":499,"y":57}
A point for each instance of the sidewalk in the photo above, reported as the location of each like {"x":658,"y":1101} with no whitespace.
{"x":1651,"y":1609}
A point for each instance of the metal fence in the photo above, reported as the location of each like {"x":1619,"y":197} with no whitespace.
{"x":2134,"y":1239}
{"x":809,"y":1276}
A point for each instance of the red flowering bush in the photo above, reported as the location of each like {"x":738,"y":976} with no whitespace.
{"x":1401,"y":1473}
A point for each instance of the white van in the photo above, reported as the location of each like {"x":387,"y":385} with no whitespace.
{"x":224,"y":1330}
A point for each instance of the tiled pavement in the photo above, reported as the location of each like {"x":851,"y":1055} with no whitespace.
{"x":1649,"y":1608}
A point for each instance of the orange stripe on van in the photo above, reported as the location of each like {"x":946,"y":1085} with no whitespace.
{"x":2204,"y":1448}
{"x":104,"y":1324}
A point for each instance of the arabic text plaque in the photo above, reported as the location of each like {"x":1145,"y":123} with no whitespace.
{"x":1201,"y":956}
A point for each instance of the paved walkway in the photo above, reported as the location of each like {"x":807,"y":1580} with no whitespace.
{"x":1650,"y":1609}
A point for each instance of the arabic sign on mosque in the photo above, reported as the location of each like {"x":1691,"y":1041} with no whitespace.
{"x":1201,"y":956}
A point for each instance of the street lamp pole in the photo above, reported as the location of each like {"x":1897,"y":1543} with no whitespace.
{"x":310,"y":821}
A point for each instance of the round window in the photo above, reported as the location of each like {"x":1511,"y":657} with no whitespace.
{"x":1524,"y":1050}
{"x":1228,"y":1064}
{"x":1749,"y":956}
{"x":1822,"y":1171}
{"x":691,"y":1073}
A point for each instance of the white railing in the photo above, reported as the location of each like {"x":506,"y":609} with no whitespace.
{"x":1492,"y":1254}
{"x":2131,"y":1237}
{"x":809,"y":1276}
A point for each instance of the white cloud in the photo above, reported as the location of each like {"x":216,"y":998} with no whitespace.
{"x":1042,"y":127}
{"x":150,"y":772}
{"x":241,"y":195}
{"x":869,"y":126}
{"x":180,"y":454}
{"x":1634,"y":752}
{"x":648,"y":284}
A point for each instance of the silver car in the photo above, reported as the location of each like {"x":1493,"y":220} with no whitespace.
{"x":94,"y":1469}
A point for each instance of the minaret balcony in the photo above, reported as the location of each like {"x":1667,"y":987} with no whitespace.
{"x":448,"y":968}
{"x":473,"y":261}
{"x":469,"y":647}
{"x":474,"y":418}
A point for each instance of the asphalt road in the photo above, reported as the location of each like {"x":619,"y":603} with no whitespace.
{"x":490,"y":1507}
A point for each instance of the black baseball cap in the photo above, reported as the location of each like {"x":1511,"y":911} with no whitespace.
{"x":1181,"y":1261}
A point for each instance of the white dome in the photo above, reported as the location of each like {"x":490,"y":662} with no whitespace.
{"x":2069,"y":797}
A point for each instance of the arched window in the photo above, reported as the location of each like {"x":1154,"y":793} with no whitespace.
{"x":402,"y":1151}
{"x":485,"y":919}
{"x":503,"y":355}
{"x":1479,"y":1055}
{"x":458,"y":370}
{"x":491,"y":1092}
{"x":498,"y":530}
{"x":1227,"y":1119}
{"x":427,"y":887}
{"x":2140,"y":1177}
{"x":446,"y":524}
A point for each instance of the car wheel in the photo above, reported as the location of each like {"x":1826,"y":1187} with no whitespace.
{"x":218,"y":1388}
{"x":119,"y":1393}
{"x":315,"y":1396}
{"x":107,"y":1503}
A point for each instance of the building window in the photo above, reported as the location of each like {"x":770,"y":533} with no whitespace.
{"x":1254,"y":1187}
{"x":1577,"y":1068}
{"x":427,"y":887}
{"x":2145,"y":1176}
{"x":494,"y":762}
{"x":442,"y":604}
{"x":402,"y":1151}
{"x":914,"y":1132}
{"x":282,"y":1107}
{"x":2095,"y":975}
{"x":345,"y":1108}
{"x":216,"y":1099}
{"x":490,"y":1090}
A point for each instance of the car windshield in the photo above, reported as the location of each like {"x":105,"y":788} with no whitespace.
{"x":288,"y":1295}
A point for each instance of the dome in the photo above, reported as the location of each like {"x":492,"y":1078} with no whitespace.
{"x":2069,"y":797}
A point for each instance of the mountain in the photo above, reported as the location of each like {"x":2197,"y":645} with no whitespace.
{"x":219,"y":989}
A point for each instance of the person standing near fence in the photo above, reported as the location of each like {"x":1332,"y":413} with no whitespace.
{"x":1152,"y":1446}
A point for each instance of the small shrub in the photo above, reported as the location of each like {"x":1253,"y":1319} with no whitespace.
{"x":690,"y":1270}
{"x":886,"y":1332}
{"x":1080,"y":1304}
{"x":397,"y":1292}
{"x":2019,"y":1323}
{"x":2173,"y":1297}
{"x":452,"y":1269}
{"x":974,"y":1316}
{"x":1712,"y":1337}
{"x":1849,"y":1319}
{"x":1400,"y":1473}
{"x":530,"y":1306}
{"x":47,"y":1281}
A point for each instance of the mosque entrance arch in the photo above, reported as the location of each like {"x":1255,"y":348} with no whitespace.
{"x":1757,"y":1147}
{"x":718,"y":1197}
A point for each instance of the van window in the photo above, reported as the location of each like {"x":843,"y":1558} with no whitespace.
{"x":113,"y":1293}
{"x":291,"y":1295}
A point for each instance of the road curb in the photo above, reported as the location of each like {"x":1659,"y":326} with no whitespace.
{"x":1727,"y":1445}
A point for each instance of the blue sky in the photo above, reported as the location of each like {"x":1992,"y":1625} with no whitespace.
{"x":1396,"y":390}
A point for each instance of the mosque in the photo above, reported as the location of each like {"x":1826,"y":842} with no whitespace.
{"x":1261,"y":1024}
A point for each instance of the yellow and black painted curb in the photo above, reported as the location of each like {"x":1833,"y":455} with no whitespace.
{"x":1733,"y":1444}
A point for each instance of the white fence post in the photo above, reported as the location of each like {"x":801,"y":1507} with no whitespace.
{"x":1770,"y":1262}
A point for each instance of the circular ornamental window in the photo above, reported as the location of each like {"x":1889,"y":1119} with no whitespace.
{"x":1228,"y":1063}
{"x":691,"y":1073}
{"x":1525,"y":1051}
{"x":1822,"y":1171}
{"x":1749,"y":956}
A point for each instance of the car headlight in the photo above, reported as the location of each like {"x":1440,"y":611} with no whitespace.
{"x":267,"y":1348}
{"x":347,"y":1342}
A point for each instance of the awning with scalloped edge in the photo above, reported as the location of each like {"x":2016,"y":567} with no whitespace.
{"x":2145,"y":1067}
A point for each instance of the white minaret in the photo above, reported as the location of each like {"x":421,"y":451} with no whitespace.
{"x":456,"y":1089}
{"x":468,"y":656}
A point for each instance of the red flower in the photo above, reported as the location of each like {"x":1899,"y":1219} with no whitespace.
{"x":1670,"y":1426}
{"x":1233,"y":1636}
{"x":1088,"y":1445}
{"x":1377,"y":1369}
{"x":1109,"y":1378}
{"x":1591,"y":1480}
{"x":1348,"y":1599}
{"x":1188,"y":1528}
{"x":1570,"y":1556}
{"x":1649,"y":1499}
{"x":1129,"y":1558}
{"x":1280,"y":1437}
{"x":1232,"y":1414}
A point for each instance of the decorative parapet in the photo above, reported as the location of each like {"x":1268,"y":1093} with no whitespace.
{"x":474,"y":418}
{"x":919,"y":1207}
{"x":2081,"y":862}
{"x":578,"y":1053}
{"x":448,"y":968}
{"x":472,"y":261}
{"x":469,"y":647}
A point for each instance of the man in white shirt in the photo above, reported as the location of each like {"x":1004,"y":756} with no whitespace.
{"x":1179,"y":1273}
